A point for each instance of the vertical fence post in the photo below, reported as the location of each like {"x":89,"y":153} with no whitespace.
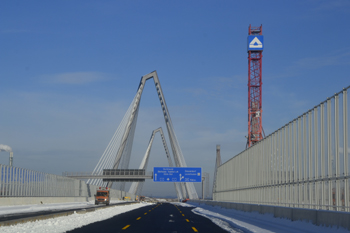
{"x":299,"y":163}
{"x":1,"y":180}
{"x":336,"y":146}
{"x":304,"y":161}
{"x":322,"y":154}
{"x":289,"y":165}
{"x":17,"y":183}
{"x":279,"y":167}
{"x":329,"y":153}
{"x":345,"y":145}
{"x":275,"y":191}
{"x":295,"y":171}
{"x":316,"y":176}
{"x":283,"y":160}
{"x":310,"y":173}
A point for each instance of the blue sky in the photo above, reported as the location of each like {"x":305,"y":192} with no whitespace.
{"x":70,"y":69}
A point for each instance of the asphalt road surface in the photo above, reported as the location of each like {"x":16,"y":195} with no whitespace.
{"x":160,"y":218}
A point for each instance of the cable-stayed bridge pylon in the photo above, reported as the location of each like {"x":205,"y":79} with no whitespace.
{"x":118,"y":151}
{"x":136,"y":187}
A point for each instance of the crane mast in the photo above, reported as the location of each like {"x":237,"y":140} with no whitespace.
{"x":255,"y":48}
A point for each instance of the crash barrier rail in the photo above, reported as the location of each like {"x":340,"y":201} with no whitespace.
{"x":304,"y":164}
{"x":317,"y":217}
{"x":20,"y":182}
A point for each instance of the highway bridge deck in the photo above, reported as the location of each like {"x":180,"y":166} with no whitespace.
{"x":162,"y":218}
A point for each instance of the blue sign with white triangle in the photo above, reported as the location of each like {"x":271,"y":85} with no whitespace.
{"x":255,"y":43}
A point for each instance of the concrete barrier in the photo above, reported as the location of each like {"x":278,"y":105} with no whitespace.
{"x":308,"y":215}
{"x":317,"y":217}
{"x":267,"y":209}
{"x":255,"y":208}
{"x":336,"y":218}
{"x":282,"y":212}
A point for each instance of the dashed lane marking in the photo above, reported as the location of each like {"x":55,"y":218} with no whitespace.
{"x":187,"y":220}
{"x":145,"y":213}
{"x":183,"y":215}
{"x":126,"y":227}
{"x":138,"y":218}
{"x":194,"y":229}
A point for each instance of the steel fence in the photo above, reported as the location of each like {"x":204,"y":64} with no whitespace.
{"x":15,"y":181}
{"x":20,"y":182}
{"x":303,"y":164}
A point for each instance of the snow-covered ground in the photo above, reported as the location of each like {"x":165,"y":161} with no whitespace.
{"x":228,"y":219}
{"x":64,"y":223}
{"x":255,"y":222}
{"x":8,"y":210}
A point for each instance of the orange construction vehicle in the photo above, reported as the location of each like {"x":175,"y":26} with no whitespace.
{"x":102,"y":196}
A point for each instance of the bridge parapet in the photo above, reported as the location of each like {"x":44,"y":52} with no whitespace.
{"x":19,"y":186}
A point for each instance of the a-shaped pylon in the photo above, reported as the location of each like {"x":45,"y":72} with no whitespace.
{"x":117,"y":153}
{"x":136,"y":187}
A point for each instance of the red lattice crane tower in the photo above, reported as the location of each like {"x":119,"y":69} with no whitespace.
{"x":255,"y":48}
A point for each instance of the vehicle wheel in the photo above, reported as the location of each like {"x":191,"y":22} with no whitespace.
{"x":96,"y":203}
{"x":107,"y":203}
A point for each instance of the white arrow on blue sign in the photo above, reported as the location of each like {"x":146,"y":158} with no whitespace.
{"x":177,"y":174}
{"x":255,"y":43}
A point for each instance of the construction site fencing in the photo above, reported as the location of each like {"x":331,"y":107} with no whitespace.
{"x":304,"y":164}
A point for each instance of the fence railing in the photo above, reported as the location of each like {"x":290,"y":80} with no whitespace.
{"x":303,"y":164}
{"x":15,"y":181}
{"x":20,"y":182}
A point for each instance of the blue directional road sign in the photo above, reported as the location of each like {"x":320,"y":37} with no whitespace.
{"x":177,"y":174}
{"x":255,"y":43}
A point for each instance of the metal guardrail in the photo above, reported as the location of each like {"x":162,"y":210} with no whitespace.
{"x":303,"y":164}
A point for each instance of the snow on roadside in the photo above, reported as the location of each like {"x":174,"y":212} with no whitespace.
{"x":9,"y":210}
{"x":255,"y":222}
{"x":66,"y":223}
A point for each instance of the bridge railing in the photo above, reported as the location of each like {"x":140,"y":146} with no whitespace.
{"x":15,"y":181}
{"x":303,"y":164}
{"x":20,"y":182}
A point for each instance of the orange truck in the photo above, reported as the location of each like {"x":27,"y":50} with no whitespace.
{"x":102,"y":196}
